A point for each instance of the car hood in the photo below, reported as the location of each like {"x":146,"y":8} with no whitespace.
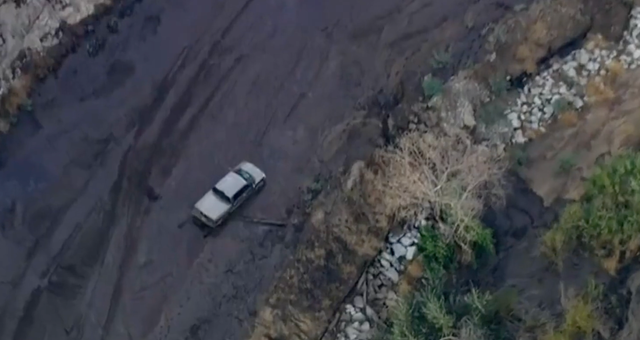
{"x":212,"y":206}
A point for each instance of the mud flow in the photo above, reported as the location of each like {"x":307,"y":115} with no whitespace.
{"x":166,"y":104}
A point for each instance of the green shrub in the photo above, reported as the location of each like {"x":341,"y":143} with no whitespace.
{"x":437,"y":311}
{"x":606,"y":222}
{"x":492,"y":112}
{"x":434,"y":313}
{"x":518,"y":156}
{"x":567,"y":163}
{"x":581,"y":318}
{"x":438,"y":256}
{"x":431,"y":87}
{"x":561,"y":105}
{"x":499,"y":86}
{"x":441,"y":58}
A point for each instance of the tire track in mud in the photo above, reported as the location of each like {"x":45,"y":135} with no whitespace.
{"x":125,"y":198}
{"x":47,"y":220}
{"x":162,"y":154}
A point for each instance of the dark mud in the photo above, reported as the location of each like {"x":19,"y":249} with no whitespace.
{"x":177,"y":94}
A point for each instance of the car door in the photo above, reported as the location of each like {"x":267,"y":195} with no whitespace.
{"x":241,"y":195}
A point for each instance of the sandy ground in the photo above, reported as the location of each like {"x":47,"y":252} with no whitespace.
{"x":186,"y":90}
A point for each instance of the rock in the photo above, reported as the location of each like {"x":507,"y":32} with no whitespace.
{"x":365,"y":327}
{"x":349,"y":308}
{"x":518,"y":137}
{"x":399,"y":250}
{"x":407,"y":241}
{"x":385,"y":263}
{"x":411,"y":251}
{"x":578,"y":103}
{"x":515,"y":122}
{"x":351,"y":332}
{"x":392,"y":274}
{"x":358,"y":302}
{"x":391,"y":299}
{"x":583,"y":57}
{"x":371,"y":314}
{"x":393,"y":238}
{"x":358,"y":317}
{"x":468,"y":119}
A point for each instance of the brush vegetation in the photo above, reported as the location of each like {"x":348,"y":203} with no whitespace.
{"x":453,"y":178}
{"x":606,"y":222}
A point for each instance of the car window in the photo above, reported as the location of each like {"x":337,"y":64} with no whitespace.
{"x":240,"y":193}
{"x":221,"y":195}
{"x":245,"y":175}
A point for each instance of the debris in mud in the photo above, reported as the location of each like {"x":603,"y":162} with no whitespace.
{"x":152,"y":194}
{"x":113,"y":25}
{"x":89,"y":29}
{"x":95,"y":46}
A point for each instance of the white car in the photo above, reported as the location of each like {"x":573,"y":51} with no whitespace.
{"x":228,"y":194}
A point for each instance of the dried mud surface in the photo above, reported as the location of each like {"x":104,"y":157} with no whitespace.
{"x":89,"y":251}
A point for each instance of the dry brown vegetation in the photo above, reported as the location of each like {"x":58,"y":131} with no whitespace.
{"x":444,"y":171}
{"x":598,"y":90}
{"x":13,"y":100}
{"x":17,"y":94}
{"x":568,"y":118}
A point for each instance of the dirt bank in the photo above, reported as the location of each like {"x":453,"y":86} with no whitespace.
{"x":87,"y":254}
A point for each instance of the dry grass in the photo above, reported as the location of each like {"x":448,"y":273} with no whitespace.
{"x":581,"y":317}
{"x":568,"y":118}
{"x":616,"y":69}
{"x":526,"y":56}
{"x":597,"y":42}
{"x":599,"y":91}
{"x":409,"y":280}
{"x":538,"y":32}
{"x":17,"y":95}
{"x":444,"y":171}
{"x":39,"y":65}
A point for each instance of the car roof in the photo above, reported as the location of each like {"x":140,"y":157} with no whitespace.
{"x":230,"y":184}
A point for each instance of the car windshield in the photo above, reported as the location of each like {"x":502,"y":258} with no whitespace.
{"x":245,"y":175}
{"x":221,"y":195}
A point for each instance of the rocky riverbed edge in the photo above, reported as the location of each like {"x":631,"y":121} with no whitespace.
{"x":52,"y":31}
